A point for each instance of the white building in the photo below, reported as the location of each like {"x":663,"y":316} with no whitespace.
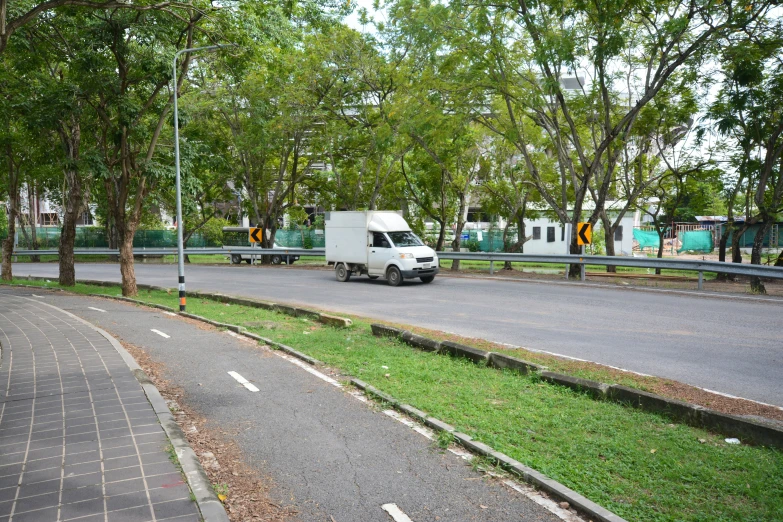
{"x":547,"y":235}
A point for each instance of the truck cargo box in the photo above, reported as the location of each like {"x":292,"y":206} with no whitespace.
{"x":347,"y":232}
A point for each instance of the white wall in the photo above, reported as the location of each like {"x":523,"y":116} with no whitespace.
{"x":560,"y":244}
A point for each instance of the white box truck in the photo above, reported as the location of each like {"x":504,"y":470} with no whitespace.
{"x":379,"y":244}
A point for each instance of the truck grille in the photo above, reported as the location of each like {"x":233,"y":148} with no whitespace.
{"x":424,"y":260}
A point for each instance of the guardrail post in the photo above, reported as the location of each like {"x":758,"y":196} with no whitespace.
{"x":701,"y":280}
{"x":491,"y":267}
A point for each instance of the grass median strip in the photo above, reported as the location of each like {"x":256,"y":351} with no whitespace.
{"x":639,"y":465}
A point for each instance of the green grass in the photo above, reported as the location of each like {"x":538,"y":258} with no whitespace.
{"x":640,"y":465}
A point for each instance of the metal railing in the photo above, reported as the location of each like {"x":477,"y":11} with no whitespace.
{"x":741,"y":269}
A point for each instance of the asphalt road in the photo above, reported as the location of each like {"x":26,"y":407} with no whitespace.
{"x":734,"y":346}
{"x":329,"y":455}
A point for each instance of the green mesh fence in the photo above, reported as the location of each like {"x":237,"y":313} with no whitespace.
{"x":696,"y":241}
{"x":747,"y":237}
{"x":476,"y":240}
{"x":491,"y":240}
{"x":95,"y":237}
{"x":646,"y":238}
{"x":296,"y":238}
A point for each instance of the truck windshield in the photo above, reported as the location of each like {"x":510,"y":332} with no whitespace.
{"x":403,"y":239}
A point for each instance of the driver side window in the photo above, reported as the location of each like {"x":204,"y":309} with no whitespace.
{"x":379,"y":240}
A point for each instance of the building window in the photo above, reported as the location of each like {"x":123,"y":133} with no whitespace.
{"x":562,"y":233}
{"x":618,"y":233}
{"x":550,"y":234}
{"x":86,"y":218}
{"x":49,"y":219}
{"x":536,"y":232}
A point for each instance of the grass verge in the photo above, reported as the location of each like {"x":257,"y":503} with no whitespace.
{"x":640,"y":465}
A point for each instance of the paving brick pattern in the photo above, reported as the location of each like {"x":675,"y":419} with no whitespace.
{"x":78,"y":438}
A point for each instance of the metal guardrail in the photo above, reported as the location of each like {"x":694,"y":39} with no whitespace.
{"x":173,"y":251}
{"x":638,"y":262}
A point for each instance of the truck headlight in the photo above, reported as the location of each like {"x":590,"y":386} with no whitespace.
{"x":406,"y":256}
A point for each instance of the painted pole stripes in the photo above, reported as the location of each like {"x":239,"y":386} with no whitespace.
{"x":182,"y":298}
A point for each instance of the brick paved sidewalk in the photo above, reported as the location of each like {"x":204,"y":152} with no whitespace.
{"x":78,"y":438}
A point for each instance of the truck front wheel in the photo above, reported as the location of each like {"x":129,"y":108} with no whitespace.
{"x":393,"y":276}
{"x":427,"y":279}
{"x":342,"y":272}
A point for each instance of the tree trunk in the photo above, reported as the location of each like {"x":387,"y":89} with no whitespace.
{"x":507,"y":264}
{"x":6,"y":274}
{"x":70,"y":137}
{"x":779,"y":262}
{"x":661,"y":233}
{"x":73,"y":207}
{"x":8,"y":242}
{"x":441,"y":237}
{"x":609,"y":239}
{"x":456,"y":246}
{"x":127,"y":270}
{"x":462,"y":217}
{"x":736,"y":235}
{"x":574,"y":271}
{"x":756,"y":286}
{"x":722,"y":244}
{"x":31,"y":219}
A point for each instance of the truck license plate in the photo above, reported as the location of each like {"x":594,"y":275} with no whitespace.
{"x":427,"y":265}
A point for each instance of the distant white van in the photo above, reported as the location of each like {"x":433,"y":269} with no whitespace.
{"x":239,"y":237}
{"x":379,"y":244}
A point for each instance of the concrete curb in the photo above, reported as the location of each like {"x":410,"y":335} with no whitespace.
{"x":749,"y":430}
{"x":527,"y":474}
{"x":209,"y":505}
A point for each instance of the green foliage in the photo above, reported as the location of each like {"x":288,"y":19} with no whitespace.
{"x":3,"y":222}
{"x":445,"y":439}
{"x":213,"y":230}
{"x":472,"y":245}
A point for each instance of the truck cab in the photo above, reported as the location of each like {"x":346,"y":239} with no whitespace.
{"x":377,"y":244}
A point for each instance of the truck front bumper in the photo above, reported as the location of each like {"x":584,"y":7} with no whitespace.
{"x":416,"y":272}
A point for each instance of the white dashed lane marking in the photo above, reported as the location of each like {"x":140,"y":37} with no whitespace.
{"x":96,"y":309}
{"x":244,"y":382}
{"x":160,"y":333}
{"x":396,"y":513}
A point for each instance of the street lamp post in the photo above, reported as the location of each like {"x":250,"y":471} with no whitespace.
{"x":180,"y":247}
